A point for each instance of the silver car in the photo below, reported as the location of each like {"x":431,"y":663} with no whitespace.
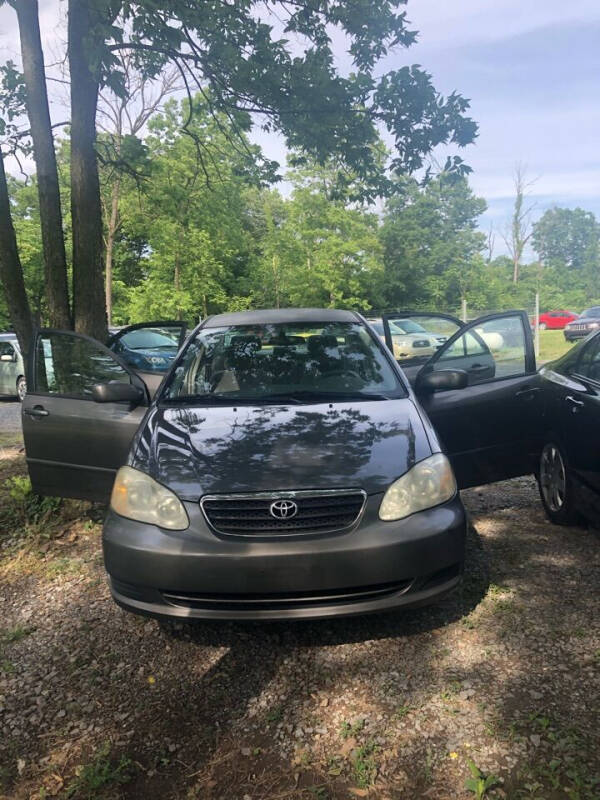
{"x":12,"y":369}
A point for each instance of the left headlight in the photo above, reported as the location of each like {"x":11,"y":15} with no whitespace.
{"x":427,"y":484}
{"x":137,"y":496}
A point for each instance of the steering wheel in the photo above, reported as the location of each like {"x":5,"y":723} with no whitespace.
{"x":343,"y":373}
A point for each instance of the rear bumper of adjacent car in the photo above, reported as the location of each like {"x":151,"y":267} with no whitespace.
{"x":199,"y":574}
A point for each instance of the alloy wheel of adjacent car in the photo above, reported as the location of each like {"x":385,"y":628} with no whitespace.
{"x":555,"y":485}
{"x":21,"y":388}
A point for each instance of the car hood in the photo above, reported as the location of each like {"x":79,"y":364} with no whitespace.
{"x":203,"y":450}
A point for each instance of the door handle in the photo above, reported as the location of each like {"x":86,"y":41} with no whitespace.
{"x":36,"y":412}
{"x":477,"y":367}
{"x":574,"y":402}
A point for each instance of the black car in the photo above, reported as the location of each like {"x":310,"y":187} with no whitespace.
{"x":587,"y":322}
{"x":286,"y":467}
{"x":569,"y":469}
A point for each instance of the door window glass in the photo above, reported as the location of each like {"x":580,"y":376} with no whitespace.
{"x":69,"y":365}
{"x":417,"y":337}
{"x":149,"y":349}
{"x":490,"y":350}
{"x":589,"y":362}
{"x":6,"y":349}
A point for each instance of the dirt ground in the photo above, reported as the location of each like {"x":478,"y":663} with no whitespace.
{"x":499,"y":683}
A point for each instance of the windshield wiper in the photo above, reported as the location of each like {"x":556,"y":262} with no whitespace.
{"x":299,"y":397}
{"x":309,"y":395}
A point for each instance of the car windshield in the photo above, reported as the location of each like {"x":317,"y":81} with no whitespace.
{"x":295,"y":362}
{"x":148,"y":339}
{"x":401,"y":326}
{"x":591,"y":312}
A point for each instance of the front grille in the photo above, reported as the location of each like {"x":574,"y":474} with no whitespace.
{"x":317,"y":512}
{"x":284,"y":600}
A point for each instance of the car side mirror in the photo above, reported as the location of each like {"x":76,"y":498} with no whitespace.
{"x":441,"y":380}
{"x":7,"y":357}
{"x":117,"y":392}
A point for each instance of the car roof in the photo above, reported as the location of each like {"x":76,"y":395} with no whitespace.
{"x":274,"y":315}
{"x":6,"y":336}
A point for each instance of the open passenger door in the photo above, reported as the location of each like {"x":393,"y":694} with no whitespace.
{"x":491,"y":428}
{"x":82,"y":409}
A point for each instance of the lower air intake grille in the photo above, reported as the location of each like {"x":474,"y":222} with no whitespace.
{"x":283,"y":513}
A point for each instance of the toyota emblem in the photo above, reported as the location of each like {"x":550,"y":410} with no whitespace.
{"x":283,"y":509}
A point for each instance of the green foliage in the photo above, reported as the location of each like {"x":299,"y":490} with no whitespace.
{"x":245,"y":65}
{"x":432,"y":247}
{"x":100,"y":777}
{"x":567,"y":241}
{"x":27,"y":506}
{"x":480,"y":783}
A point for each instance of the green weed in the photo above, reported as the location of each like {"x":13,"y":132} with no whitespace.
{"x":93,"y":780}
{"x":479,"y":783}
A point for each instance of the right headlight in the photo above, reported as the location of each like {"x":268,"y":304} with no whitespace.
{"x":427,"y":484}
{"x":137,"y":496}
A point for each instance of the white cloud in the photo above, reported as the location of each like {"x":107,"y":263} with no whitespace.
{"x":466,"y":21}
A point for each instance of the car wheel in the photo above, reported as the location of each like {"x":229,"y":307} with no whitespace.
{"x":21,"y":388}
{"x":556,"y":487}
{"x":543,"y":326}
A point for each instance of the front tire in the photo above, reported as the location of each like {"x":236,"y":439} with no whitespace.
{"x":556,"y":487}
{"x":21,"y":388}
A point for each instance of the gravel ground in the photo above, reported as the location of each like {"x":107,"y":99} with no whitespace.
{"x":503,"y":676}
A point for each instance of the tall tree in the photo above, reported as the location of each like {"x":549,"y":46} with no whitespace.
{"x":520,"y":230}
{"x":55,"y":262}
{"x":430,"y":238}
{"x":567,"y":240}
{"x":122,"y":117}
{"x":12,"y":99}
{"x":85,"y":38}
{"x":11,"y":273}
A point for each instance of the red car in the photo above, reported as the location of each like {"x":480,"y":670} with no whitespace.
{"x":556,"y":320}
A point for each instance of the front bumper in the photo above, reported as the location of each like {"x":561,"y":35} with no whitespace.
{"x":573,"y":336}
{"x":198,"y":574}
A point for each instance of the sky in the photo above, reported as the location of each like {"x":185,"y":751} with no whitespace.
{"x":531,"y":69}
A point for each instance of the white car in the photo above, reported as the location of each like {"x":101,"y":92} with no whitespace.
{"x":409,"y":339}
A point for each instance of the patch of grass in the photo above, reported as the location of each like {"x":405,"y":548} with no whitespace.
{"x":62,"y":566}
{"x":553,"y":345}
{"x":320,"y":792}
{"x":450,"y":691}
{"x":27,"y":507}
{"x":402,"y":711}
{"x":275,"y":715}
{"x":15,"y":634}
{"x":364,"y":764}
{"x":7,"y":667}
{"x":100,"y":777}
{"x":349,"y":729}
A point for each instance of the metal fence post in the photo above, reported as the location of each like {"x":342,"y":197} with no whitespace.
{"x":464,"y":309}
{"x":537,"y":325}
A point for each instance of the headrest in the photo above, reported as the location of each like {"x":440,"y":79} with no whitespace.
{"x":317,"y":344}
{"x":245,"y":345}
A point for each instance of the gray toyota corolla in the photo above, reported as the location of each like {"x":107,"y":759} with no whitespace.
{"x":283,"y":470}
{"x":284,"y":467}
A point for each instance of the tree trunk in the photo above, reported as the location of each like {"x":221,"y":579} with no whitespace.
{"x":11,"y":273}
{"x":55,"y":262}
{"x":89,"y":301}
{"x":112,"y":226}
